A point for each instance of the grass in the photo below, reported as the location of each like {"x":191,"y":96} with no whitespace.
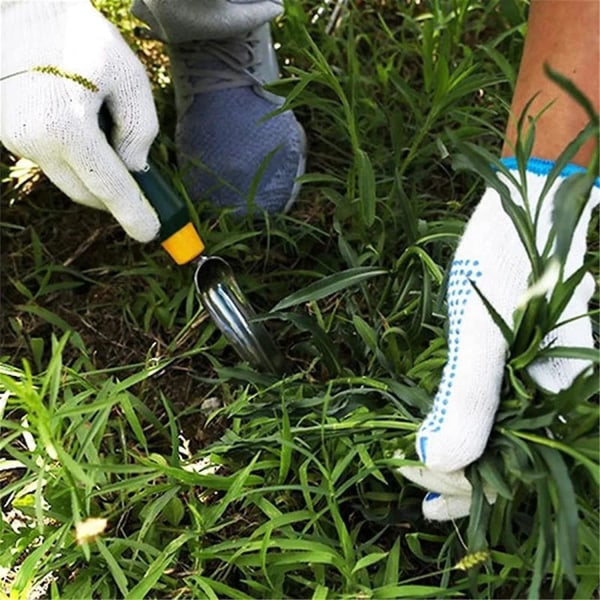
{"x":119,"y":399}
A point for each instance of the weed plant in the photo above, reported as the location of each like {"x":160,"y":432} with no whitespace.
{"x":119,"y":399}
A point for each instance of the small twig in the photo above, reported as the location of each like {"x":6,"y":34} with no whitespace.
{"x":83,"y":247}
{"x":335,"y":16}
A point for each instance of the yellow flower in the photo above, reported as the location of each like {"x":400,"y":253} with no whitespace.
{"x":472,"y":560}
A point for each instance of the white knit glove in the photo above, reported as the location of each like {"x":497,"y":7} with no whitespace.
{"x":490,"y":254}
{"x":60,"y":61}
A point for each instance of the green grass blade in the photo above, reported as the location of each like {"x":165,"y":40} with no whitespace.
{"x":113,"y":567}
{"x":567,"y":519}
{"x":366,"y":188}
{"x":329,"y":285}
{"x":157,"y":568}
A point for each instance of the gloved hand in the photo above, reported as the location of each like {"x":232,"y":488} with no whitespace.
{"x":61,"y":60}
{"x":490,"y":254}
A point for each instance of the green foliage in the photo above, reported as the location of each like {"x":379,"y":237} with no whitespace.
{"x":289,"y":487}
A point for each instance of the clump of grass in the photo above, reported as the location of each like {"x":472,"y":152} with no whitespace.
{"x":286,"y":488}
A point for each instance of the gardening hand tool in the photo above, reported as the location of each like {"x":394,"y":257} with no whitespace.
{"x":214,"y":280}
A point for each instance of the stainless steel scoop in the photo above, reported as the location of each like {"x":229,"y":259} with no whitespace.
{"x":233,"y":315}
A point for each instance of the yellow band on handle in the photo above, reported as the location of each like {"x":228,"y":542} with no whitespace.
{"x":184,"y":245}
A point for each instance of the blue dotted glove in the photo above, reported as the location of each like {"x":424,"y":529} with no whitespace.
{"x":491,"y":255}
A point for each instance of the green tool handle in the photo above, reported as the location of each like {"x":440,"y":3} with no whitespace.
{"x":176,"y":230}
{"x":172,"y":210}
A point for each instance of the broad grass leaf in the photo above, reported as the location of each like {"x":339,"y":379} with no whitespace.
{"x":283,"y":520}
{"x":392,"y":565}
{"x":588,"y":583}
{"x":231,"y":240}
{"x":321,"y":592}
{"x":215,"y":482}
{"x":429,"y":265}
{"x":529,"y":354}
{"x":526,"y":138}
{"x":442,"y":87}
{"x":366,"y":332}
{"x":567,"y":155}
{"x":567,"y":519}
{"x":483,"y":162}
{"x":235,"y":491}
{"x":508,"y":560}
{"x":533,"y":423}
{"x":222,"y":590}
{"x":341,"y":465}
{"x":174,"y":511}
{"x":329,"y":285}
{"x":152,"y":511}
{"x":502,"y":63}
{"x":584,"y":388}
{"x":409,"y":220}
{"x":542,"y":547}
{"x":285,"y":456}
{"x":29,"y":569}
{"x":157,"y":568}
{"x":574,"y":92}
{"x":428,"y":54}
{"x":345,"y":539}
{"x":391,"y":592}
{"x":244,"y":552}
{"x":479,"y":515}
{"x":366,"y":188}
{"x":491,"y":474}
{"x":305,"y":485}
{"x":73,"y":467}
{"x":37,"y":351}
{"x":263,"y":554}
{"x":418,"y":549}
{"x":52,"y":379}
{"x":569,"y":202}
{"x":346,"y":251}
{"x":578,"y":450}
{"x":369,"y":463}
{"x":587,"y":354}
{"x":368,"y":560}
{"x":562,"y":294}
{"x":519,"y":388}
{"x":412,"y":395}
{"x":45,"y":315}
{"x":505,"y":330}
{"x":79,"y":587}
{"x":113,"y":566}
{"x":132,"y":419}
{"x":488,"y":166}
{"x":206,"y":586}
{"x":142,"y":375}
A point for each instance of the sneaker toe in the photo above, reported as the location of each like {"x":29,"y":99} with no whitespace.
{"x":233,"y":154}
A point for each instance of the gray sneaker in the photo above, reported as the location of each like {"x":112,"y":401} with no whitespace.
{"x":231,"y":149}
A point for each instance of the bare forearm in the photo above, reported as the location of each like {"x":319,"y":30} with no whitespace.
{"x":565,"y":35}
